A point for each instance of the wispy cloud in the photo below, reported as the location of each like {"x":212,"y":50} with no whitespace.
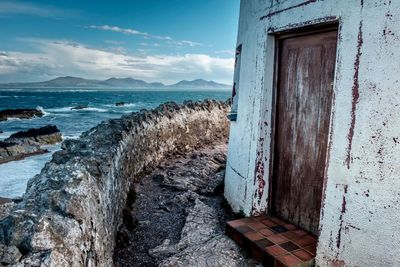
{"x":32,"y":9}
{"x":229,"y":52}
{"x":113,"y":42}
{"x":189,"y":43}
{"x":59,"y":58}
{"x":146,"y":35}
{"x":150,"y":44}
{"x":118,"y":29}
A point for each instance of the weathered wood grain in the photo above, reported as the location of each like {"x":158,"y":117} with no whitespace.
{"x":304,"y":95}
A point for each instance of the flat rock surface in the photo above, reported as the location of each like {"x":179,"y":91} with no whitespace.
{"x":178,"y":216}
{"x":28,"y":143}
{"x":46,"y":135}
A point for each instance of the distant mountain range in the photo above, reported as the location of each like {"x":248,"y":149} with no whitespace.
{"x":128,"y":83}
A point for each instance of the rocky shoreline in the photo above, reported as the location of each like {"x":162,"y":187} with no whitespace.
{"x":71,"y":212}
{"x":28,"y":143}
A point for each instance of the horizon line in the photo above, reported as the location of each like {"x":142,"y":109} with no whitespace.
{"x":113,"y":77}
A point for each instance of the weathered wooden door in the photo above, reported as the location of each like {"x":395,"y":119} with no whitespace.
{"x":304,"y":92}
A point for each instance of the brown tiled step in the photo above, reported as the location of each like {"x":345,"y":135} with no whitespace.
{"x":273,"y":242}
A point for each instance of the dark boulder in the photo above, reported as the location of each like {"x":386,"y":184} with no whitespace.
{"x":49,"y":129}
{"x":20,"y":114}
{"x":47,"y":135}
{"x":120,"y":104}
{"x":79,"y":107}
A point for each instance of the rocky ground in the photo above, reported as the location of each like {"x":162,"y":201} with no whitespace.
{"x":176,"y":216}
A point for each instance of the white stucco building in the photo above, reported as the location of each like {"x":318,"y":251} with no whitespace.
{"x":315,"y":131}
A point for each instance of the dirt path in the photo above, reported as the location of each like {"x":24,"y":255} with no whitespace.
{"x":177,"y":218}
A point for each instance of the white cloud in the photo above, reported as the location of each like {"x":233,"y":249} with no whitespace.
{"x":189,"y":43}
{"x":114,"y":42}
{"x":60,"y":58}
{"x":150,"y":44}
{"x":145,"y":35}
{"x":230,"y":52}
{"x":118,"y":29}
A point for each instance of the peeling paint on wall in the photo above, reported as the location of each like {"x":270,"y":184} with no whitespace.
{"x":272,"y":13}
{"x":291,"y":26}
{"x":355,"y":94}
{"x":259,"y":179}
{"x":342,"y":212}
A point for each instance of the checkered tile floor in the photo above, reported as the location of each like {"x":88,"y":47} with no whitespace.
{"x":273,"y":242}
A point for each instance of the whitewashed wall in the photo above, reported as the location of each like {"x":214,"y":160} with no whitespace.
{"x":360,"y":215}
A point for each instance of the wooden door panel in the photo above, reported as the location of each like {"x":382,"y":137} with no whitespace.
{"x":304,"y":93}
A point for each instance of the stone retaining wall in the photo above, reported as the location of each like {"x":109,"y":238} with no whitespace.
{"x":70,"y":212}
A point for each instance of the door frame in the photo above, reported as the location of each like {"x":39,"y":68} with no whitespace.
{"x":279,"y":36}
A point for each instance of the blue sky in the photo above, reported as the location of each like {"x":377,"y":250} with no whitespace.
{"x":153,"y":40}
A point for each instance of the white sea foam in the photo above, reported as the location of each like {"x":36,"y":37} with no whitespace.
{"x":131,"y":105}
{"x":70,"y":109}
{"x":5,"y":135}
{"x":64,"y":109}
{"x":42,"y":110}
{"x":94,"y":109}
{"x":14,"y":119}
{"x":73,"y":136}
{"x":123,"y":106}
{"x":15,"y":175}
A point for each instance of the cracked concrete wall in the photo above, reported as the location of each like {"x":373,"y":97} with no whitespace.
{"x":361,"y":192}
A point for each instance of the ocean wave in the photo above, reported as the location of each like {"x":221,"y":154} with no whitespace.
{"x":94,"y":109}
{"x":16,"y":119}
{"x":60,"y":115}
{"x":58,"y":90}
{"x":123,"y":106}
{"x":42,"y":110}
{"x":5,"y":135}
{"x":64,"y":109}
{"x":15,"y":174}
{"x":131,"y":105}
{"x":70,"y":109}
{"x":67,"y":90}
{"x":11,"y":90}
{"x":71,"y":136}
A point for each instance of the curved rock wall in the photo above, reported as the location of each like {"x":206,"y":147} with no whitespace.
{"x":70,"y":212}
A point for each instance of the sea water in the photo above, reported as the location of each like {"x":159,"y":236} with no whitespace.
{"x":56,"y":105}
